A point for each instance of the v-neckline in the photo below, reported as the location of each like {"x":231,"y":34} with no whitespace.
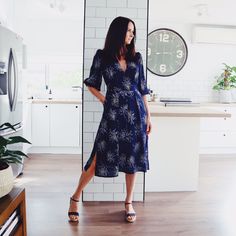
{"x":121,"y":66}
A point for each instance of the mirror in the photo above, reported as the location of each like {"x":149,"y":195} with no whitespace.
{"x":98,"y":16}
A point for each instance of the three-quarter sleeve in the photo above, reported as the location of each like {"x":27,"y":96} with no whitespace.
{"x":142,"y":83}
{"x":95,"y":76}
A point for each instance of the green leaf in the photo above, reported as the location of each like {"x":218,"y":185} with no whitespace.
{"x":20,"y":153}
{"x":11,"y":160}
{"x":18,"y":139}
{"x":216,"y":87}
{"x":12,"y":157}
{"x":7,"y":125}
{"x":12,"y":154}
{"x":3,"y":141}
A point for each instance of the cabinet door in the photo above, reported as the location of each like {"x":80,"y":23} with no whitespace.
{"x":220,"y":124}
{"x":218,"y":139}
{"x":64,"y":125}
{"x":219,"y":132}
{"x":40,"y":125}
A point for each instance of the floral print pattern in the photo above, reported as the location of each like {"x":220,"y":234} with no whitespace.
{"x":121,"y":143}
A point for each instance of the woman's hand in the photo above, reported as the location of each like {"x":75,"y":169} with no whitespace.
{"x":102,"y":99}
{"x":97,"y":94}
{"x":149,"y":126}
{"x":148,"y":120}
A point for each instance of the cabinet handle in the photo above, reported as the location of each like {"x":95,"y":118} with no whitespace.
{"x":76,"y":106}
{"x":225,"y":118}
{"x":46,"y":106}
{"x":225,"y":110}
{"x":224,"y":134}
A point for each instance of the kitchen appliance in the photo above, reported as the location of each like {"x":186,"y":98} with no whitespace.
{"x":11,"y":95}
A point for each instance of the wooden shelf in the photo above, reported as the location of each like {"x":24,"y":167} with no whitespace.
{"x":9,"y":203}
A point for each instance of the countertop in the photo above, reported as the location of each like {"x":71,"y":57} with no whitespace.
{"x":209,"y":104}
{"x":159,"y":110}
{"x":56,"y":101}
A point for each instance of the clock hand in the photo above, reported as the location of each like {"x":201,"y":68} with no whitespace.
{"x":166,"y":53}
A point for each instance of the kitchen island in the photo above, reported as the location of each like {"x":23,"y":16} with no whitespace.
{"x":174,"y":147}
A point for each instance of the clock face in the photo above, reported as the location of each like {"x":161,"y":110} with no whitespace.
{"x":167,"y":52}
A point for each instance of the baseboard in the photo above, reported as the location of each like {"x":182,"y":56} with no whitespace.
{"x":55,"y":150}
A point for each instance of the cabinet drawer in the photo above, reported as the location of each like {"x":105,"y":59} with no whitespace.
{"x":220,"y":124}
{"x":215,"y":124}
{"x":218,"y":139}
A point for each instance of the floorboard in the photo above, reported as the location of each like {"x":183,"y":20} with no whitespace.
{"x":211,"y":211}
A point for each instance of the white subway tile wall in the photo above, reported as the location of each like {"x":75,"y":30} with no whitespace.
{"x":99,"y":14}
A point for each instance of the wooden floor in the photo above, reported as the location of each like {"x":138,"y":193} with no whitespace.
{"x":50,"y":179}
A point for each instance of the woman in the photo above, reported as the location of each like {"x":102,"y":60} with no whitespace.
{"x":121,"y":143}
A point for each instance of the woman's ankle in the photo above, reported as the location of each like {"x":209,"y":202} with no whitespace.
{"x":75,"y":197}
{"x":128,"y":200}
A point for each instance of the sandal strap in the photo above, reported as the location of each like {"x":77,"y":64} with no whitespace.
{"x":75,"y":200}
{"x":126,"y":203}
{"x":73,"y":213}
{"x":131,"y":214}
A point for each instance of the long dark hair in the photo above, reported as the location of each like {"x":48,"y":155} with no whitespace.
{"x":115,"y":40}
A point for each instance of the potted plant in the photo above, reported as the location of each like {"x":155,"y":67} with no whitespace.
{"x":225,"y":83}
{"x":7,"y":157}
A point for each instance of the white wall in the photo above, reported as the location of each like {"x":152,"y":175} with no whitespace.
{"x":7,"y":13}
{"x":46,"y":30}
{"x":51,"y":37}
{"x":204,"y":62}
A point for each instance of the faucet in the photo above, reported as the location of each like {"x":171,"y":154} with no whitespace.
{"x":75,"y":87}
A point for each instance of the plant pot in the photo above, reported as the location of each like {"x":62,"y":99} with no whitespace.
{"x":6,"y":181}
{"x":225,"y":96}
{"x":233,"y":94}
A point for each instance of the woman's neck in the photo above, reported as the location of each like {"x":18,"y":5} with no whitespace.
{"x":121,"y":57}
{"x":122,"y":53}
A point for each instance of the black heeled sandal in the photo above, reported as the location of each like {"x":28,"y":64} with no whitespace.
{"x":73,"y":213}
{"x":128,"y":214}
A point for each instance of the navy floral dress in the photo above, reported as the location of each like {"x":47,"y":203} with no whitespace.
{"x":121,"y":143}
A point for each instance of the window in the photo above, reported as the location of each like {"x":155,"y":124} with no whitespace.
{"x":64,"y":79}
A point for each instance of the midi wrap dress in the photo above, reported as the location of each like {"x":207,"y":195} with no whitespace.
{"x":121,"y":143}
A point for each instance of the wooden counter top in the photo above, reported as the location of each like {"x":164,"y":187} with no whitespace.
{"x":158,"y":110}
{"x":56,"y":101}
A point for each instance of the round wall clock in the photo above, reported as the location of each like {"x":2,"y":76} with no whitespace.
{"x":167,"y":52}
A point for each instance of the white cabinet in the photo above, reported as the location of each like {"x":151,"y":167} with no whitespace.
{"x":218,"y":135}
{"x":64,"y":125}
{"x":40,"y":125}
{"x":56,"y":125}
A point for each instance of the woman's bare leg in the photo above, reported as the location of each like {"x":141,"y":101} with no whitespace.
{"x":130,"y":182}
{"x":85,"y":177}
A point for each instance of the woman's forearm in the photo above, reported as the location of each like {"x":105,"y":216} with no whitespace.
{"x":97,"y":94}
{"x":146,"y":106}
